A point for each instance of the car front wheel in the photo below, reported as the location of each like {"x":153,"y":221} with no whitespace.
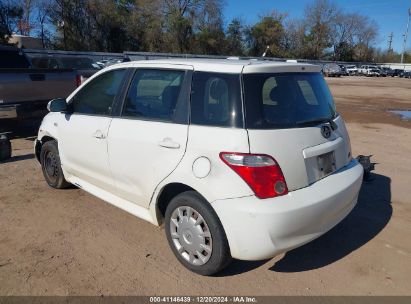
{"x":195,"y":234}
{"x":51,"y":166}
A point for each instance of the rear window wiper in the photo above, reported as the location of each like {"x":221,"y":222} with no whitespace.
{"x":313,"y":122}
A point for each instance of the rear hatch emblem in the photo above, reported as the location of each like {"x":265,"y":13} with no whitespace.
{"x":326,"y":131}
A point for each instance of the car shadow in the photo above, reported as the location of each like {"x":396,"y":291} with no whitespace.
{"x":18,"y":158}
{"x":371,"y":214}
{"x":239,"y":267}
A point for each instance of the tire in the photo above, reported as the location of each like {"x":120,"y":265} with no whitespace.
{"x":51,"y":165}
{"x":180,"y":229}
{"x":5,"y":149}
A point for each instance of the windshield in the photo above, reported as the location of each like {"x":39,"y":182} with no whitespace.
{"x":286,"y":100}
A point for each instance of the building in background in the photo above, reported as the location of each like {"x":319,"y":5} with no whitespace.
{"x":26,"y":42}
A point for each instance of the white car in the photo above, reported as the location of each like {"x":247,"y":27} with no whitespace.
{"x":238,"y":159}
{"x":369,"y":70}
{"x":351,"y":69}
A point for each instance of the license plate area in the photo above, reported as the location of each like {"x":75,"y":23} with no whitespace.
{"x":326,"y":164}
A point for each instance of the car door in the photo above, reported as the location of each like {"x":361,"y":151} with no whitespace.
{"x":146,"y":143}
{"x":83,"y":132}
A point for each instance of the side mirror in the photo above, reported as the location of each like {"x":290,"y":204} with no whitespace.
{"x":57,"y":105}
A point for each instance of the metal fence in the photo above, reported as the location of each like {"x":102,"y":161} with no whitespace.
{"x":98,"y":56}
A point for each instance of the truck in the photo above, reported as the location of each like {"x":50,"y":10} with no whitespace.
{"x":25,"y":90}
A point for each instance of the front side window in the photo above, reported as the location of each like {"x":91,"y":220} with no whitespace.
{"x":154,"y":94}
{"x":286,"y":100}
{"x":97,"y":97}
{"x":216,"y":100}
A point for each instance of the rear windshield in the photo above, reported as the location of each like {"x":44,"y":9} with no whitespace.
{"x":286,"y":100}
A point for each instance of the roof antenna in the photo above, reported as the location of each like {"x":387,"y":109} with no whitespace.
{"x":266,"y":50}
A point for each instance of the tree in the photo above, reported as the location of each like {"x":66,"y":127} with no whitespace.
{"x":208,"y":29}
{"x":366,"y":35}
{"x":193,"y":25}
{"x":295,"y":39}
{"x":10,"y":14}
{"x":144,"y":26}
{"x":190,"y":26}
{"x":344,"y":32}
{"x":267,"y":32}
{"x":73,"y":26}
{"x":25,"y":24}
{"x":235,"y":38}
{"x":107,"y":19}
{"x":319,"y":17}
{"x":179,"y":23}
{"x":42,"y":22}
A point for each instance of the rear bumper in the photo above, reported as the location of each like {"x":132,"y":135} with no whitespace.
{"x":259,"y":229}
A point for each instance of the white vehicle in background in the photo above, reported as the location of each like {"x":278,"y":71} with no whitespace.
{"x":352,"y":70}
{"x":369,"y":70}
{"x":238,"y":159}
{"x":331,"y":70}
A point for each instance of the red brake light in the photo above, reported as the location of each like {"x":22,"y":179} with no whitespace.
{"x":261,"y":172}
{"x":79,"y":80}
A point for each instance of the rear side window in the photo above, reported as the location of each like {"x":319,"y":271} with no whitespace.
{"x":44,"y":63}
{"x":154,"y":94}
{"x":97,"y":97}
{"x":286,"y":100}
{"x":216,"y":100}
{"x":76,"y":63}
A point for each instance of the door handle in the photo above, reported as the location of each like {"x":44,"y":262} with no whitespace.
{"x":99,"y":135}
{"x":169,"y":143}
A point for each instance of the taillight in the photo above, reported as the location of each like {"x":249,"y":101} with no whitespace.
{"x":79,"y":80}
{"x":261,"y":172}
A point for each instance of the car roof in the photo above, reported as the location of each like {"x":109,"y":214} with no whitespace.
{"x":229,"y":65}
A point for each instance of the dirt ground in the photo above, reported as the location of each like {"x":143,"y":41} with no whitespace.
{"x":70,"y":243}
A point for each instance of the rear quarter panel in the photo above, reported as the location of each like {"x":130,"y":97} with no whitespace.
{"x":221,"y":182}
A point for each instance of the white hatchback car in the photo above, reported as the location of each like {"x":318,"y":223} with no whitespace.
{"x":241,"y":159}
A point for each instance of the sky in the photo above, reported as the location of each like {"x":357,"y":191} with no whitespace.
{"x":390,"y":15}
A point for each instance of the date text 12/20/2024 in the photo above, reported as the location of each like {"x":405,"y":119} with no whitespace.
{"x":203,"y":299}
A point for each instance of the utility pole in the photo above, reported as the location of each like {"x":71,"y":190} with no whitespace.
{"x":390,"y":42}
{"x":406,"y":36}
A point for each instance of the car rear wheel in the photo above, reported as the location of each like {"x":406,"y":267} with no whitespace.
{"x":195,"y":234}
{"x":51,"y":166}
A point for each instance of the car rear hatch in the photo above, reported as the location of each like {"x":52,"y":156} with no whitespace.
{"x":290,"y":115}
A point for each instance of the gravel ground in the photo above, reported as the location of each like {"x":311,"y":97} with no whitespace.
{"x":69,"y":243}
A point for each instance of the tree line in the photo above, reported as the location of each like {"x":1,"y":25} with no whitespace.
{"x":325,"y":31}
